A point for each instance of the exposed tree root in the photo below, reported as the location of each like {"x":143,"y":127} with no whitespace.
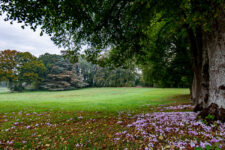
{"x":214,"y":110}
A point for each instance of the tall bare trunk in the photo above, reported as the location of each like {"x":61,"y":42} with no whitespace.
{"x":215,"y":45}
{"x":209,"y":75}
{"x":216,"y":50}
{"x":200,"y":60}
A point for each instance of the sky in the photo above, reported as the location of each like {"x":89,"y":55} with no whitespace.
{"x":13,"y":37}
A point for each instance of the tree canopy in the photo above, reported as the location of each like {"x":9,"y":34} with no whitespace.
{"x":61,"y":74}
{"x":113,"y":24}
{"x":20,"y":68}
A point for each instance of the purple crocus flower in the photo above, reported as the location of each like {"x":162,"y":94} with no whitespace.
{"x":214,"y":140}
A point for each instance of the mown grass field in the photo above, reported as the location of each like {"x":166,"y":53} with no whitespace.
{"x":3,"y":90}
{"x":103,"y":118}
{"x":92,"y":99}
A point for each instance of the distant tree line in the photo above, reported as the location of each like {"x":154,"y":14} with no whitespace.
{"x":3,"y":84}
{"x":61,"y":74}
{"x":21,"y":70}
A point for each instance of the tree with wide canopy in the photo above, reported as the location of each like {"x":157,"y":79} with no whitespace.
{"x":120,"y":26}
{"x":19,"y":68}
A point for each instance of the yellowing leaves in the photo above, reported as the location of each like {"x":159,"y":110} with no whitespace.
{"x":19,"y":67}
{"x":110,"y":136}
{"x":161,"y":137}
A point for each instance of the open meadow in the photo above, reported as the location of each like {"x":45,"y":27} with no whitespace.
{"x":104,"y":118}
{"x":90,"y":99}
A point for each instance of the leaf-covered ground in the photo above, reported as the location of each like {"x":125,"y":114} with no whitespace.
{"x":161,"y":127}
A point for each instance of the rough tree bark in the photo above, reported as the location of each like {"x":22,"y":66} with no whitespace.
{"x":208,"y":89}
{"x":197,"y":52}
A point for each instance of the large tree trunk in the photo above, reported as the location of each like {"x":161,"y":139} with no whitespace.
{"x":208,"y":90}
{"x":200,"y":59}
{"x":20,"y":87}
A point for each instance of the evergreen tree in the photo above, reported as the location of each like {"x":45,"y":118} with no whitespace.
{"x":61,"y":75}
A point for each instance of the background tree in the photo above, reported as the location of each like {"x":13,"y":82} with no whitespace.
{"x":97,"y":76}
{"x":20,"y":69}
{"x":30,"y":70}
{"x":106,"y":77}
{"x":88,"y":70}
{"x":8,"y":64}
{"x":64,"y":75}
{"x":61,"y":74}
{"x":168,"y":61}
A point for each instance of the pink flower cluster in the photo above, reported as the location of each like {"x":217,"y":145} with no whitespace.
{"x":179,"y":129}
{"x":179,"y":107}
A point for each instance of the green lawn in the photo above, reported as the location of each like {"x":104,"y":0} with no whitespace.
{"x":103,"y":118}
{"x":98,"y":118}
{"x":90,"y":99}
{"x":3,"y":90}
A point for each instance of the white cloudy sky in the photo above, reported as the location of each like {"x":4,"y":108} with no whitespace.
{"x":16,"y":38}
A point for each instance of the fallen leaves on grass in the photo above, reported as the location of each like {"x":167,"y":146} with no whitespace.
{"x":88,"y":130}
{"x":174,"y":129}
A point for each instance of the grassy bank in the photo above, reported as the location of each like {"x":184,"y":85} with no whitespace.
{"x":91,"y":99}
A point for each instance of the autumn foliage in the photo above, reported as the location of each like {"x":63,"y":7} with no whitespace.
{"x":19,"y":69}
